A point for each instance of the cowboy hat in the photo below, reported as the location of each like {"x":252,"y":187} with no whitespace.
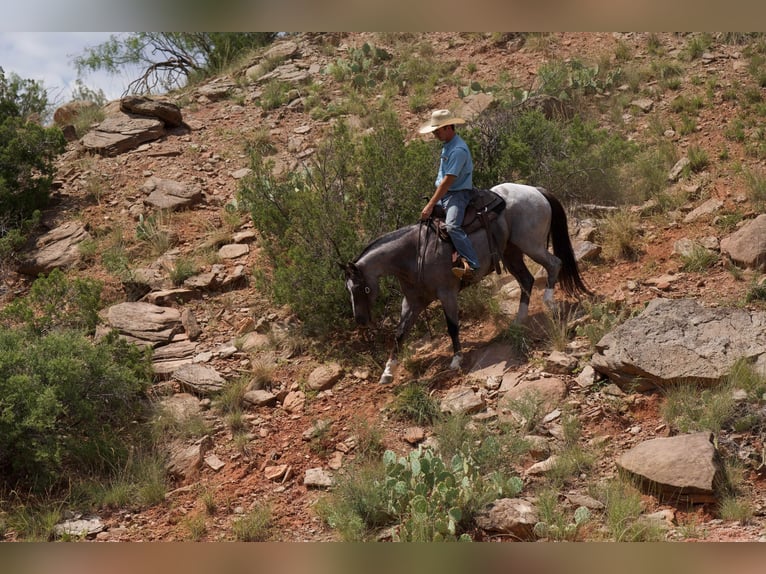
{"x":440,"y":118}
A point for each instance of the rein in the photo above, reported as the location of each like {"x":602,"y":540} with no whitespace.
{"x":422,"y":251}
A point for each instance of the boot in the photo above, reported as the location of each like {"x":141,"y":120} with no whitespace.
{"x":462,"y":270}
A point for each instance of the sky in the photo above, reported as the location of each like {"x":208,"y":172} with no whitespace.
{"x":48,"y":58}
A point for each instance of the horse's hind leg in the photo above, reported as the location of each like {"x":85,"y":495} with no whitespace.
{"x":552,"y":266}
{"x":514,"y":262}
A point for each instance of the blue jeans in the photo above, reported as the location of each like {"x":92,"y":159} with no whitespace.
{"x":454,"y":203}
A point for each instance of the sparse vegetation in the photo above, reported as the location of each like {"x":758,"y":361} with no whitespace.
{"x":341,"y":165}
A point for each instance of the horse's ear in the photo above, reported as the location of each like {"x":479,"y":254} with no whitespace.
{"x":349,"y":269}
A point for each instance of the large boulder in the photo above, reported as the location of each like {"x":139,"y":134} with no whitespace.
{"x":122,"y":132}
{"x":680,"y":341}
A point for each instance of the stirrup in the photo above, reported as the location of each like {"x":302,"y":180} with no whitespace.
{"x":462,"y":272}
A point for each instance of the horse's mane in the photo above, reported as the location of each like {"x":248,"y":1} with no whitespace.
{"x":385,"y":239}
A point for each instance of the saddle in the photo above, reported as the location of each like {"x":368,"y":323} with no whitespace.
{"x":484,"y":207}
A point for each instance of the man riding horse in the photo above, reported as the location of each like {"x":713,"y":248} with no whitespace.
{"x":454,"y":188}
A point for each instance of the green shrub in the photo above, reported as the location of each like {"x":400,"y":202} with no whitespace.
{"x":68,"y":405}
{"x":575,"y":158}
{"x":56,"y":301}
{"x":356,"y":189}
{"x":27,"y":154}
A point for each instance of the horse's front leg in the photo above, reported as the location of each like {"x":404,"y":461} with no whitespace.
{"x":410,"y":312}
{"x":451,"y":314}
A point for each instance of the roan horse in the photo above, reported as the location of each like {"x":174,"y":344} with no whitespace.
{"x":424,"y":267}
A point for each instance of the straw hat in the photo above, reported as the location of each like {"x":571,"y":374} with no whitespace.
{"x":440,"y":118}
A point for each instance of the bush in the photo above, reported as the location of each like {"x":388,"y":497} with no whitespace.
{"x":56,"y":302}
{"x":27,"y":151}
{"x":355,"y":189}
{"x":574,"y":159}
{"x":67,"y":405}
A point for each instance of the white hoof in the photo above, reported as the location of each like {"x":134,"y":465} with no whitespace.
{"x":389,"y":372}
{"x":548,"y":297}
{"x":457,"y":360}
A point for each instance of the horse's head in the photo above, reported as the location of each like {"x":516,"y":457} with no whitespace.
{"x":362,"y":295}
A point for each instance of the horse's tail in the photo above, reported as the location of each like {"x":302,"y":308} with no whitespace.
{"x":569,"y":276}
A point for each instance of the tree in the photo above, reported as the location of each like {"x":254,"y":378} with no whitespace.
{"x":27,"y":152}
{"x":169,"y":60}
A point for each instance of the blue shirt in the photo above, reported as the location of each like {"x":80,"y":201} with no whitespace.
{"x":456,"y":160}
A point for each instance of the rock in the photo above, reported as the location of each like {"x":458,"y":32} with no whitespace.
{"x":324,"y":376}
{"x":462,"y":400}
{"x":169,"y":113}
{"x":543,"y":466}
{"x":120,"y":133}
{"x":199,"y":379}
{"x":57,"y":249}
{"x":79,"y":528}
{"x":214,"y":462}
{"x":260,"y":398}
{"x":683,"y":468}
{"x":276,"y":473}
{"x":708,"y":208}
{"x":190,"y":325}
{"x":181,"y":406}
{"x":171,"y":195}
{"x":510,"y":516}
{"x":643,"y":104}
{"x":318,"y":478}
{"x":167,"y":358}
{"x":233,"y":251}
{"x":68,"y":113}
{"x":494,"y":360}
{"x":414,"y":435}
{"x":143,"y":323}
{"x":678,"y":168}
{"x":549,"y":391}
{"x":558,"y":363}
{"x":294,"y":401}
{"x":680,"y":341}
{"x":186,"y":460}
{"x":747,"y":245}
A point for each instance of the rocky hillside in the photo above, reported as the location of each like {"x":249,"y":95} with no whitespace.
{"x":153,"y":188}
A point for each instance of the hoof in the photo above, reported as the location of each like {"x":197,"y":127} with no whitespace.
{"x":389,"y":372}
{"x":457,"y":360}
{"x":548,"y":297}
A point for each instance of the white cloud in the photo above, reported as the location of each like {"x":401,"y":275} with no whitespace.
{"x":48,"y":57}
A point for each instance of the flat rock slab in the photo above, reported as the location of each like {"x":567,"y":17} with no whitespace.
{"x":324,"y":376}
{"x":170,"y":194}
{"x":199,"y":379}
{"x":57,"y":249}
{"x":144,"y":322}
{"x":680,"y":341}
{"x":462,"y":401}
{"x":120,"y":133}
